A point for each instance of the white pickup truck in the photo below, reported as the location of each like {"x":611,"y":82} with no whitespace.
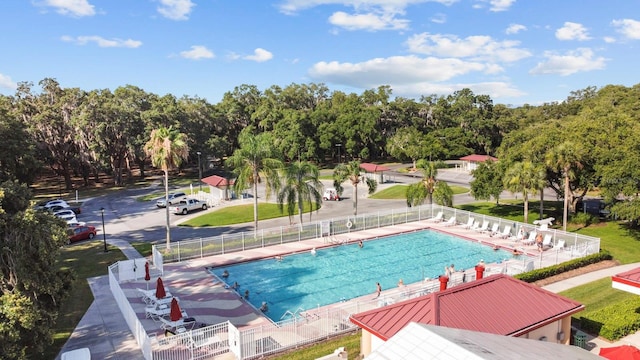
{"x":187,"y":205}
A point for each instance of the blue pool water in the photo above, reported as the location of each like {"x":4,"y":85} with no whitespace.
{"x":306,"y":281}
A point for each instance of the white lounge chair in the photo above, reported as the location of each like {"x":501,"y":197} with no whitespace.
{"x":438,"y":218}
{"x":475,"y":226}
{"x":149,"y":296}
{"x":160,"y":311}
{"x":531,"y":239}
{"x":494,"y":229}
{"x":546,"y":241}
{"x":178,"y":326}
{"x":484,"y":227}
{"x":506,"y":232}
{"x":469,"y":223}
{"x":451,"y":221}
{"x":559,"y":245}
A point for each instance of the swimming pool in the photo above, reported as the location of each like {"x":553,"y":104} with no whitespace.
{"x":306,"y":281}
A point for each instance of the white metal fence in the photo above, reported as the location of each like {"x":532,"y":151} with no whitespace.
{"x":308,"y":326}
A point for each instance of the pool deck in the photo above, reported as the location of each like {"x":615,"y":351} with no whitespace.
{"x":204,"y":297}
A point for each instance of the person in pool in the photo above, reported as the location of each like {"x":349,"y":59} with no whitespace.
{"x":225,"y":274}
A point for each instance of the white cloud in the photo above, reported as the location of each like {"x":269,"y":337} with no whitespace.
{"x":367,"y":21}
{"x":7,"y":83}
{"x":473,"y":47}
{"x":579,"y":60}
{"x":71,"y":7}
{"x":515,"y":28}
{"x":393,"y":70}
{"x":572,"y":31}
{"x":628,"y":27}
{"x":439,"y":18}
{"x":411,"y":76}
{"x":102,"y":42}
{"x":609,"y":39}
{"x":500,"y":5}
{"x":259,"y":55}
{"x":175,"y":9}
{"x":198,"y":52}
{"x":291,"y":7}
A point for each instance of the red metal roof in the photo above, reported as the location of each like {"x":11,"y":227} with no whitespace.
{"x":478,"y":158}
{"x":629,"y":278}
{"x":497,"y":304}
{"x":373,"y":168}
{"x":217,"y":181}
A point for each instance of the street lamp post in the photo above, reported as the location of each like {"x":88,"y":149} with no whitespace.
{"x":104,"y":234}
{"x":199,"y":171}
{"x":339,"y":146}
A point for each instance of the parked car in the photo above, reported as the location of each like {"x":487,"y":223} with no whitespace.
{"x":174,"y":198}
{"x":83,"y":232}
{"x":187,"y":205}
{"x":67,"y":215}
{"x":75,"y":209}
{"x":47,"y":204}
{"x":331,"y":194}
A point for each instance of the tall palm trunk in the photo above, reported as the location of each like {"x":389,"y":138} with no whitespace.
{"x":166,"y":208}
{"x":566,"y":200}
{"x":255,"y":203}
{"x":355,"y":198}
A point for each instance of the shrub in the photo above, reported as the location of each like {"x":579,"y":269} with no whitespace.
{"x":584,"y":218}
{"x":614,"y":321}
{"x":548,"y":271}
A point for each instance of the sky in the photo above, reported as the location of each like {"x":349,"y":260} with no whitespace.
{"x":516,"y":51}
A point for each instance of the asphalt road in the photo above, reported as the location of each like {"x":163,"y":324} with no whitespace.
{"x":129,"y":219}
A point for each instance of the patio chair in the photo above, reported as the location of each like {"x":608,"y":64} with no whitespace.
{"x":149,"y":296}
{"x":469,"y":223}
{"x":506,"y":232}
{"x":451,"y":221}
{"x":546,"y":242}
{"x":531,"y":239}
{"x":484,"y":227}
{"x":438,"y":218}
{"x":178,"y":326}
{"x":494,"y":229}
{"x":559,"y":245}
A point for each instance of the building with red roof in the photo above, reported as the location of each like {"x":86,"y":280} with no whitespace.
{"x":218,"y":186}
{"x":497,"y":304}
{"x":375,"y":170}
{"x":628,"y":281}
{"x":470,"y":162}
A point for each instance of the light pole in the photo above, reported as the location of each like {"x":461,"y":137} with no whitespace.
{"x":199,"y":171}
{"x":104,"y":234}
{"x":339,"y":146}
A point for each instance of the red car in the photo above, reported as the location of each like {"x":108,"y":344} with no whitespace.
{"x":82,"y":232}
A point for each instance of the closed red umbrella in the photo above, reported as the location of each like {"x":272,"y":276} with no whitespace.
{"x":176,"y":312}
{"x":160,"y":292}
{"x":147,"y":276}
{"x":623,"y":352}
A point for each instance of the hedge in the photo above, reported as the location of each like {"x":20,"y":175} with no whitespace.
{"x":614,"y":321}
{"x":549,"y":271}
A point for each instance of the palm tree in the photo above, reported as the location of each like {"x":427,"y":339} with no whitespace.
{"x":167,"y":148}
{"x":255,"y":156}
{"x":565,"y":158}
{"x":352,"y":172}
{"x":301,"y":184}
{"x":417,"y":193}
{"x":525,"y":178}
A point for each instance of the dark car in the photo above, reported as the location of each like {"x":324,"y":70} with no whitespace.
{"x":79,"y":233}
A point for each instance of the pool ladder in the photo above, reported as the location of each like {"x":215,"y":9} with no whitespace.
{"x":293,"y":315}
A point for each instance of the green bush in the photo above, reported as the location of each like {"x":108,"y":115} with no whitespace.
{"x":549,"y":271}
{"x":614,"y":321}
{"x":584,"y":218}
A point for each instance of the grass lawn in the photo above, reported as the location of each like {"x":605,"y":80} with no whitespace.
{"x":240,"y":214}
{"x":87,"y":259}
{"x":351,"y":344}
{"x":396,"y":192}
